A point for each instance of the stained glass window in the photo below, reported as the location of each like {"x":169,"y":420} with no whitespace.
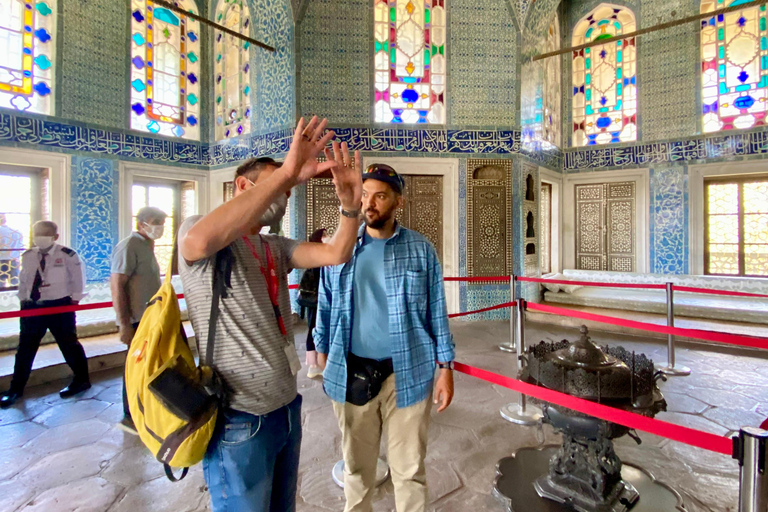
{"x":27,"y":47}
{"x":734,"y":66}
{"x":550,"y":123}
{"x":737,"y":227}
{"x":165,"y":70}
{"x":231,"y":73}
{"x":604,"y":82}
{"x":409,"y":61}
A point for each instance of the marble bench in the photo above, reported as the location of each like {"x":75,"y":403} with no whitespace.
{"x":95,"y":322}
{"x":719,"y":307}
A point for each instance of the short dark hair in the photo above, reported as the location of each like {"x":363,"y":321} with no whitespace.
{"x":256,"y":165}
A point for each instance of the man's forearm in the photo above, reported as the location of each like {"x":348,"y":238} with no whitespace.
{"x":120,"y":303}
{"x":232,"y":219}
{"x":343,"y":241}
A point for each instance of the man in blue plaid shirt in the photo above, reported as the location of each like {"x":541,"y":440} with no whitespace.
{"x":382,"y":327}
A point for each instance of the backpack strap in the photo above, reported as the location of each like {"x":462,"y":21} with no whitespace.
{"x":171,"y":476}
{"x":222,"y":273}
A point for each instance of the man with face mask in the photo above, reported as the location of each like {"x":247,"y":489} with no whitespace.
{"x":134,"y":281}
{"x":51,"y":275}
{"x":252,"y":460}
{"x":382,"y":328}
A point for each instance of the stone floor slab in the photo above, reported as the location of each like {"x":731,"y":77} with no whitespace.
{"x":68,"y":466}
{"x":161,"y":495}
{"x":15,"y":460}
{"x":65,"y":413}
{"x":17,"y":434}
{"x":64,"y":437}
{"x":89,"y":495}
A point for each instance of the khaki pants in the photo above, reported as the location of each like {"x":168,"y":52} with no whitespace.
{"x":361,"y":428}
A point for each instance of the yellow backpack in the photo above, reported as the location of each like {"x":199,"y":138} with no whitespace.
{"x":173,"y":403}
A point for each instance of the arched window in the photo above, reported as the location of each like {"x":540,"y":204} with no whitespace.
{"x":409,"y":61}
{"x":604,"y":88}
{"x":27,"y":48}
{"x":231,"y":71}
{"x":734,"y":66}
{"x":550,"y":123}
{"x":165,"y":70}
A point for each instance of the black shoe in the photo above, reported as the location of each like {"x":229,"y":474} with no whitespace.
{"x":74,"y":388}
{"x":8,"y":399}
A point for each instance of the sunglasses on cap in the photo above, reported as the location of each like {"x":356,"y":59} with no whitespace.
{"x":384,"y":170}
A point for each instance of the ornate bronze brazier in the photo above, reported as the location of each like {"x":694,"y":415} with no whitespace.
{"x":585,"y":472}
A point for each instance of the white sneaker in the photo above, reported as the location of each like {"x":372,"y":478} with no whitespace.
{"x":314,"y":371}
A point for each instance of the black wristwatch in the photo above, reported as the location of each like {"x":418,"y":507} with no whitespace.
{"x":350,"y":214}
{"x":444,"y":366}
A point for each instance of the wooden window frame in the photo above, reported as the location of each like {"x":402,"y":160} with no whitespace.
{"x":735,"y":180}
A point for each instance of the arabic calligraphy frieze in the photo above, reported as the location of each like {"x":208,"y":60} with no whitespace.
{"x":22,"y":129}
{"x":696,"y":148}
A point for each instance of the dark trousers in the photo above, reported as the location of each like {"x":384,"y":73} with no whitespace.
{"x":32,"y":330}
{"x":311,"y":320}
{"x":126,"y":409}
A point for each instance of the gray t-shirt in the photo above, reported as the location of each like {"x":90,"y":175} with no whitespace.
{"x":135,"y":258}
{"x":249,"y":351}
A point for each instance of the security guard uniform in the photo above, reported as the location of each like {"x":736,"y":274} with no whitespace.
{"x":55,"y":277}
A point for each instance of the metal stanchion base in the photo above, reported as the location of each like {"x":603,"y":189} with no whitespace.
{"x":677,"y":370}
{"x":512,"y":412}
{"x":382,"y":472}
{"x":507,"y":347}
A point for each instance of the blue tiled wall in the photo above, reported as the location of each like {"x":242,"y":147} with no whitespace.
{"x":94,"y":213}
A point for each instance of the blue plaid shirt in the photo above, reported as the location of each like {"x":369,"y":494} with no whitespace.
{"x":418,"y":319}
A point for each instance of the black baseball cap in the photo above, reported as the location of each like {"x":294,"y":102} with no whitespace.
{"x":385,"y":173}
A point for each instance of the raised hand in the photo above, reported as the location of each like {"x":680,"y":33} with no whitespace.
{"x":347,"y":176}
{"x":308,"y":142}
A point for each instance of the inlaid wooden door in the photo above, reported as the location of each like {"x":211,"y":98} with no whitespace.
{"x":605,"y":226}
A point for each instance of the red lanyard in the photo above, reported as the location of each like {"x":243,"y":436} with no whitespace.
{"x":270,"y":276}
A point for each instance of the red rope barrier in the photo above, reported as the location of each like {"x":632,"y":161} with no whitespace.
{"x":718,"y":337}
{"x":716,"y":292}
{"x":80,"y":307}
{"x":693,"y":437}
{"x":499,"y":306}
{"x":592,"y":283}
{"x":504,"y":279}
{"x":649,"y":286}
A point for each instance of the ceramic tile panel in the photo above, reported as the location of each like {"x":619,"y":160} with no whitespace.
{"x":275,"y":83}
{"x":482,"y":63}
{"x":94,"y":213}
{"x":669,"y":220}
{"x":334,"y":66}
{"x":94,"y":55}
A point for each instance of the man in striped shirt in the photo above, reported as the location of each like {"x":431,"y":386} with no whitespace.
{"x":382,"y":325}
{"x":252,"y":460}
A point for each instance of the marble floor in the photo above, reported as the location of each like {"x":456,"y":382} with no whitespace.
{"x":66,"y":455}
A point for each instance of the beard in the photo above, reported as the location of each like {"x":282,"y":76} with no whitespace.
{"x":380,"y":221}
{"x":275,"y":212}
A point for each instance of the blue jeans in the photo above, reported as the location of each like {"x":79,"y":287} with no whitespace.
{"x":252,"y":462}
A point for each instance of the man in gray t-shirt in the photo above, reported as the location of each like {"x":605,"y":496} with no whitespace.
{"x":135,"y":280}
{"x":253,"y":457}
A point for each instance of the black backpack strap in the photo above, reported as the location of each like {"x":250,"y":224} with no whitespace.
{"x":222,"y":272}
{"x":171,"y":476}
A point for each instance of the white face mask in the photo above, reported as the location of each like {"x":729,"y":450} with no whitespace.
{"x":275,"y":212}
{"x":43,"y":242}
{"x":154,"y":232}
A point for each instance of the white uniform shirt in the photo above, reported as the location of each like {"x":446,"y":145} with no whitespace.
{"x":64,"y":274}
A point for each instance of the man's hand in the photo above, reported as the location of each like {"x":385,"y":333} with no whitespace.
{"x":322,"y":360}
{"x":126,"y":334}
{"x":300,"y":164}
{"x":444,"y":389}
{"x":347,"y":176}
